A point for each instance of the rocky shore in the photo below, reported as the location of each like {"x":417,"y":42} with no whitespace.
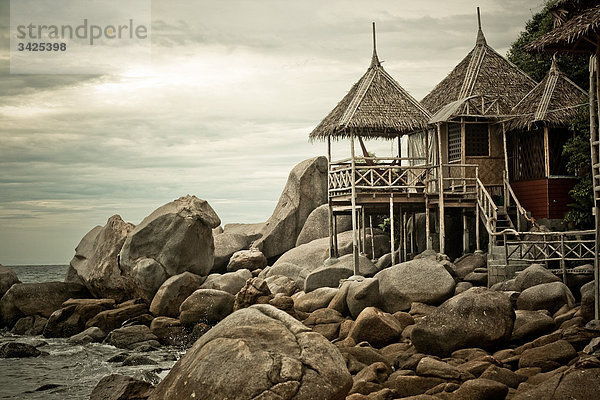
{"x":262,"y":315}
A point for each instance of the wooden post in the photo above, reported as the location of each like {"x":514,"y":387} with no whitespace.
{"x":595,"y":137}
{"x":404,"y":236}
{"x":477,"y":222}
{"x":427,"y":225}
{"x":505,"y":175}
{"x":392,"y":229}
{"x":336,"y":253}
{"x":372,"y":238}
{"x":562,"y":259}
{"x":465,"y":232}
{"x":359,"y":229}
{"x":546,"y":153}
{"x":441,"y":191}
{"x":332,"y":233}
{"x":412,"y":233}
{"x":354,"y":233}
{"x":364,"y":231}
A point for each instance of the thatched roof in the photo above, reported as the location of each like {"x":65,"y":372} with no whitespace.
{"x":483,"y":72}
{"x":376,"y":106}
{"x":577,"y":28}
{"x":553,"y":102}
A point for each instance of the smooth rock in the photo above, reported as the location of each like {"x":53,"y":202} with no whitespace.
{"x":476,"y":318}
{"x":113,"y":319}
{"x":247,"y":259}
{"x":571,"y":384}
{"x":121,"y":387}
{"x":227,"y":244}
{"x":96,"y":261}
{"x":534,"y":275}
{"x":468,"y":263}
{"x":549,"y":356}
{"x":317,"y":225}
{"x":405,"y":386}
{"x":72,"y":318}
{"x":18,"y":350}
{"x":546,"y":296}
{"x":231,"y":282}
{"x":422,"y":280}
{"x":428,"y":366}
{"x":90,"y":335}
{"x":173,"y":292}
{"x":206,"y":305}
{"x":280,"y":284}
{"x":130,"y":336}
{"x":503,"y":375}
{"x":319,"y":298}
{"x":169,"y":331}
{"x":8,"y":277}
{"x":258,"y":351}
{"x":481,"y":389}
{"x":531,"y":323}
{"x":376,"y":327}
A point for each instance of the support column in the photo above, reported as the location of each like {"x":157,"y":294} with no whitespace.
{"x":330,"y":208}
{"x":412,"y":233}
{"x":404,"y":237}
{"x":392,"y":229}
{"x":465,"y":232}
{"x":336,"y":253}
{"x":354,"y":233}
{"x":364,"y":231}
{"x":594,"y":95}
{"x":441,"y":192}
{"x":372,"y":238}
{"x":477,"y":222}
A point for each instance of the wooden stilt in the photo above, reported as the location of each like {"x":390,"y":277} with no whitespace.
{"x":372,"y":238}
{"x":594,"y":95}
{"x":359,"y":228}
{"x":336,"y":252}
{"x":477,"y":222}
{"x":332,"y":233}
{"x":404,"y":238}
{"x":428,"y":243}
{"x":364,"y":231}
{"x":441,"y":192}
{"x":393,"y":250}
{"x":465,"y":232}
{"x":412,"y":234}
{"x":354,"y":222}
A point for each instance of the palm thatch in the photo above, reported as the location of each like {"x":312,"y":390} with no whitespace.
{"x":376,"y":107}
{"x":485,"y":73}
{"x":577,"y":28}
{"x":554,"y":102}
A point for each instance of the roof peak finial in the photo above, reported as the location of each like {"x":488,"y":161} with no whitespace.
{"x":480,"y":36}
{"x":374,"y":60}
{"x":554,"y":66}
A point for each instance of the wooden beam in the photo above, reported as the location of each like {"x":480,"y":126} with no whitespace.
{"x":392,"y":245}
{"x":427,"y":225}
{"x":465,"y":232}
{"x":596,"y":159}
{"x":354,"y":233}
{"x":332,"y":232}
{"x":546,"y":152}
{"x":404,"y":236}
{"x":441,"y":192}
{"x":477,"y":222}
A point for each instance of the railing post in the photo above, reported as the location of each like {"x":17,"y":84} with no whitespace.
{"x":505,"y":249}
{"x":563,"y":266}
{"x":392,"y":239}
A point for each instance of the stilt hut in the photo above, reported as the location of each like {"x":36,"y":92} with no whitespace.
{"x":577,"y":30}
{"x":536,"y":134}
{"x":375,"y":107}
{"x":467,"y":105}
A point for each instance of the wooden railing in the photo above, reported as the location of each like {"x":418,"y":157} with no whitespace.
{"x":487,"y":207}
{"x":511,"y":197}
{"x":547,"y":247}
{"x":460,"y":179}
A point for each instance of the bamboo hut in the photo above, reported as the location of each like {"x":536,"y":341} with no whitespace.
{"x":375,"y":107}
{"x":467,"y":105}
{"x":577,"y":30}
{"x":536,"y":134}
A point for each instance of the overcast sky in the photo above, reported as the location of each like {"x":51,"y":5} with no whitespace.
{"x":223,"y":111}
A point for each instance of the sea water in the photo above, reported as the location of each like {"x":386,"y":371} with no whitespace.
{"x":66,"y":371}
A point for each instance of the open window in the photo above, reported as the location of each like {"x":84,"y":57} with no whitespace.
{"x":477,"y":140}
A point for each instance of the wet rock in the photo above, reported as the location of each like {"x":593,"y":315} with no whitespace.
{"x":30,"y":299}
{"x":18,"y":350}
{"x":478,"y":317}
{"x":96,"y":262}
{"x":206,"y":305}
{"x":169,"y":331}
{"x":90,"y":335}
{"x":258,"y":351}
{"x":32,"y":325}
{"x":173,"y":292}
{"x":71,"y":319}
{"x":137,"y":359}
{"x":422,"y":280}
{"x":546,"y":296}
{"x":120,"y":387}
{"x":131,"y":336}
{"x":113,"y":319}
{"x":175,"y":238}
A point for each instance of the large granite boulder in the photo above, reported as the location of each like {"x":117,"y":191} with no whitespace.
{"x":247,"y":259}
{"x":173,"y":292}
{"x":228,"y":243}
{"x":375,"y":327}
{"x":96,"y":262}
{"x":423,"y":280}
{"x":466,"y":264}
{"x":24,"y":299}
{"x":534,"y":275}
{"x":121,"y":387}
{"x":317,"y":225}
{"x":331,"y":275}
{"x":546,"y":296}
{"x":113,"y":319}
{"x":207,"y":306}
{"x":305,"y":190}
{"x":175,"y":238}
{"x":356,"y":295}
{"x":74,"y":314}
{"x":8,"y":277}
{"x":231,"y":282}
{"x":570,"y":384}
{"x":130,"y":337}
{"x":476,"y":318}
{"x":258,"y":352}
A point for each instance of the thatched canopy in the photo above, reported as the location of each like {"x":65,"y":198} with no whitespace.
{"x":553,"y":102}
{"x":485,"y":73}
{"x":576,"y":28}
{"x":376,"y":107}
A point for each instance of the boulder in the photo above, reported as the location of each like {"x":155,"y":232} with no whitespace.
{"x":231,"y":282}
{"x":96,"y":261}
{"x":121,"y":387}
{"x":24,"y":299}
{"x":477,"y":278}
{"x":468,"y":263}
{"x":476,"y":318}
{"x":376,"y":327}
{"x":113,"y":319}
{"x":356,"y":295}
{"x":325,"y":321}
{"x":549,"y":356}
{"x":422,"y":280}
{"x":130,"y":337}
{"x":279,"y":284}
{"x":481,"y":389}
{"x":8,"y":277}
{"x":255,"y":291}
{"x":206,"y":305}
{"x":503,"y":375}
{"x":175,"y":238}
{"x":18,"y":350}
{"x":570,"y":384}
{"x":546,"y":296}
{"x":587,"y":301}
{"x":169,"y":331}
{"x":90,"y":335}
{"x":534,"y":275}
{"x":428,"y":366}
{"x":319,"y":298}
{"x":379,"y":241}
{"x":247,"y":259}
{"x":531,"y":323}
{"x":305,"y":190}
{"x":317,"y":225}
{"x":226,"y":244}
{"x":71,"y":319}
{"x":173,"y":292}
{"x":30,"y":325}
{"x":258,"y":352}
{"x":329,"y":276}
{"x":405,"y":386}
{"x":291,"y":271}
